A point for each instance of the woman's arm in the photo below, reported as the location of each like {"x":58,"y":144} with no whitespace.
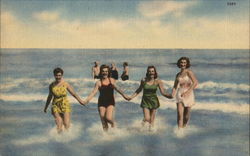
{"x":175,"y":86}
{"x":126,"y":70}
{"x":194,"y":79}
{"x":194,"y":83}
{"x":161,"y":88}
{"x":50,"y":96}
{"x":118,"y":90}
{"x":138,"y":90}
{"x":93,"y":92}
{"x":73,"y":93}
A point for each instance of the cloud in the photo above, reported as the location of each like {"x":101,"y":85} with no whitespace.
{"x":9,"y":22}
{"x":211,"y":33}
{"x":47,"y":16}
{"x":11,"y":29}
{"x":117,"y":33}
{"x":160,"y":8}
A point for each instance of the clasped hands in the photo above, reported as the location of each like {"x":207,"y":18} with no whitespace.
{"x":127,"y":98}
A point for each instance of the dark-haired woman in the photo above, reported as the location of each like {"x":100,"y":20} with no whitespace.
{"x":125,"y":73}
{"x":150,"y":102}
{"x":106,"y":102}
{"x":114,"y":71}
{"x":185,"y":83}
{"x":60,"y":105}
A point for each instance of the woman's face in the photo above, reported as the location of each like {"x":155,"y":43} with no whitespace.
{"x":58,"y":77}
{"x":105,"y":72}
{"x":183,"y":64}
{"x":151,"y":72}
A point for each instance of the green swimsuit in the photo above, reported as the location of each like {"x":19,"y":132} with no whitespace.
{"x":149,"y":98}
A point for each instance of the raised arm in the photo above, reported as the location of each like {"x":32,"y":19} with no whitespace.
{"x":138,"y":90}
{"x":93,"y":92}
{"x":73,"y":93}
{"x":161,"y":88}
{"x":48,"y":99}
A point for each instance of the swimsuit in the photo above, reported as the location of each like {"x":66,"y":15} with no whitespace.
{"x":149,"y":98}
{"x":114,"y":74}
{"x":106,"y":97}
{"x":124,"y":77}
{"x":60,"y":103}
{"x":184,"y":84}
{"x":96,"y":77}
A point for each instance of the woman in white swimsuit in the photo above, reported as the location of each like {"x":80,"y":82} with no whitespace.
{"x":184,"y":85}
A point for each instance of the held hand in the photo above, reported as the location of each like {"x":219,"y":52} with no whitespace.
{"x":169,"y":96}
{"x":129,"y":98}
{"x":126,"y":97}
{"x":84,"y":102}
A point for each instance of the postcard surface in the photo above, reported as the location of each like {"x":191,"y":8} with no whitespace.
{"x":171,"y":52}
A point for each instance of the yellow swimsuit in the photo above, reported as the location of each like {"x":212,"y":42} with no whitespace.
{"x":60,"y":102}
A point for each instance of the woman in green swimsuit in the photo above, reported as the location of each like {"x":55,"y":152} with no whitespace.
{"x":150,"y":101}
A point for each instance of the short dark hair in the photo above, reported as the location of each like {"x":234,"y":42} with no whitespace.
{"x":102,"y":67}
{"x":183,"y":58}
{"x":58,"y":70}
{"x":156,"y":74}
{"x":125,"y":63}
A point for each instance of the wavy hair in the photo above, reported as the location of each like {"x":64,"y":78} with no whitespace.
{"x":156,"y":74}
{"x":57,"y":70}
{"x":102,"y":67}
{"x":183,"y":58}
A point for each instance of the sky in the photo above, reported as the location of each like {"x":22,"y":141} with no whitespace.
{"x":105,"y":24}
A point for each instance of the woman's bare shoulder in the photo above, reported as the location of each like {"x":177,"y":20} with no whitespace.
{"x":158,"y":80}
{"x":189,"y":71}
{"x":98,"y":82}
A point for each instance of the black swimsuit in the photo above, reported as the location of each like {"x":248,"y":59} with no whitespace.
{"x":96,"y":77}
{"x":106,"y":97}
{"x":124,"y":77}
{"x":114,"y":74}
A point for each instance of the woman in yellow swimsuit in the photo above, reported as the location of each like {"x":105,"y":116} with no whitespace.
{"x":60,"y":105}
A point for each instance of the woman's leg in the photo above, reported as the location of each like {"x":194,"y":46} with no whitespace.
{"x":187,"y":113}
{"x":66,"y":120}
{"x":180,"y":111}
{"x":59,"y":122}
{"x":152,"y":116}
{"x":110,"y":115}
{"x":152,"y":119}
{"x":102,"y":112}
{"x":146,"y":114}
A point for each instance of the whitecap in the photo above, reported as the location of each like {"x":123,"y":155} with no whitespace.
{"x":51,"y":135}
{"x":73,"y":133}
{"x":97,"y":134}
{"x":187,"y":131}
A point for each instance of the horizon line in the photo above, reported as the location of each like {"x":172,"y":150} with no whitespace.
{"x":139,"y":48}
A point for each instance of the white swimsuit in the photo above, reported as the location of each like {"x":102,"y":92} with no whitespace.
{"x":183,"y":85}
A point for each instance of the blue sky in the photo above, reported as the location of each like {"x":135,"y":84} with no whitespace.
{"x":124,"y":24}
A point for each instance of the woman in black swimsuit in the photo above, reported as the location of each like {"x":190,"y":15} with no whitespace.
{"x":114,"y":71}
{"x":106,"y":102}
{"x":125,"y":75}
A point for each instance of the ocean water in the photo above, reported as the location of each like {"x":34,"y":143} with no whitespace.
{"x":219,"y":121}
